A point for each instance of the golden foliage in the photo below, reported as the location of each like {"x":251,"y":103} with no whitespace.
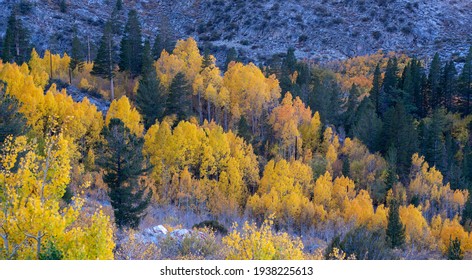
{"x":261,"y":243}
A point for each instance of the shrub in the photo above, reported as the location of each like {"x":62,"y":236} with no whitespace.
{"x":213,"y":225}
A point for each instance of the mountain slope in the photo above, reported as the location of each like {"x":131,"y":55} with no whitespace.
{"x":320,"y":30}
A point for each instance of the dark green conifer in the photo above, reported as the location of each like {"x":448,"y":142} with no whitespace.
{"x":454,"y":250}
{"x":395,"y":228}
{"x":131,"y":48}
{"x":104,"y":62}
{"x":16,"y":45}
{"x":151,"y":95}
{"x":179,"y":100}
{"x":123,"y":164}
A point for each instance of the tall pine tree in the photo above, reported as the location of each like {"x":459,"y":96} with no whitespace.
{"x":179,"y":100}
{"x":434,"y":82}
{"x":77,"y":57}
{"x":104,"y":62}
{"x":16,"y":45}
{"x":131,"y":48}
{"x":123,"y":164}
{"x":395,"y":227}
{"x":376,"y":88}
{"x":465,"y":84}
{"x":151,"y":95}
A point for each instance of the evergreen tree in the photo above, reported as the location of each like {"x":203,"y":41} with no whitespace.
{"x":104,"y":62}
{"x":11,"y":121}
{"x":131,"y":48}
{"x":454,"y":250}
{"x":123,"y":164}
{"x":395,"y":228}
{"x":434,"y":81}
{"x":351,"y":107}
{"x":448,"y":85}
{"x":179,"y":100}
{"x":150,"y":98}
{"x":231,"y":55}
{"x":76,"y":58}
{"x":158,"y":47}
{"x":392,"y":177}
{"x":326,"y":96}
{"x":16,"y":46}
{"x":432,"y":138}
{"x":376,"y":88}
{"x":466,"y":219}
{"x":465,"y":83}
{"x":63,"y":6}
{"x":399,"y":132}
{"x":367,"y":125}
{"x":119,"y":5}
{"x":389,"y":88}
{"x":289,"y":66}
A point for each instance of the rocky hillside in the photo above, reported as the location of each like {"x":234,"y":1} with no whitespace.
{"x":321,"y":30}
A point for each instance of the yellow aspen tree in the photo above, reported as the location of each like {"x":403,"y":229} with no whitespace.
{"x":122,"y":109}
{"x":32,"y":217}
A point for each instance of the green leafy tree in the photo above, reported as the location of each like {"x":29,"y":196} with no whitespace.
{"x":131,"y":48}
{"x":123,"y":164}
{"x":395,"y":228}
{"x":104,"y":62}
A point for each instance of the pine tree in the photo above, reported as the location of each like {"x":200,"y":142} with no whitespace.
{"x":389,"y":88}
{"x":352,"y":104}
{"x":158,"y":47}
{"x":466,"y":219}
{"x":123,"y":164}
{"x":231,"y":55}
{"x":16,"y":45}
{"x":434,"y":80}
{"x":367,"y":126}
{"x":179,"y":100}
{"x":395,"y":228}
{"x":11,"y":121}
{"x":448,"y":85}
{"x":399,"y":131}
{"x":465,"y":83}
{"x":76,"y":58}
{"x":376,"y":88}
{"x":104,"y":62}
{"x":151,"y":97}
{"x":131,"y":48}
{"x":63,"y":6}
{"x":454,"y":250}
{"x":119,"y":5}
{"x":289,"y":65}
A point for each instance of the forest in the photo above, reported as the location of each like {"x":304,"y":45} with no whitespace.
{"x":364,"y":158}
